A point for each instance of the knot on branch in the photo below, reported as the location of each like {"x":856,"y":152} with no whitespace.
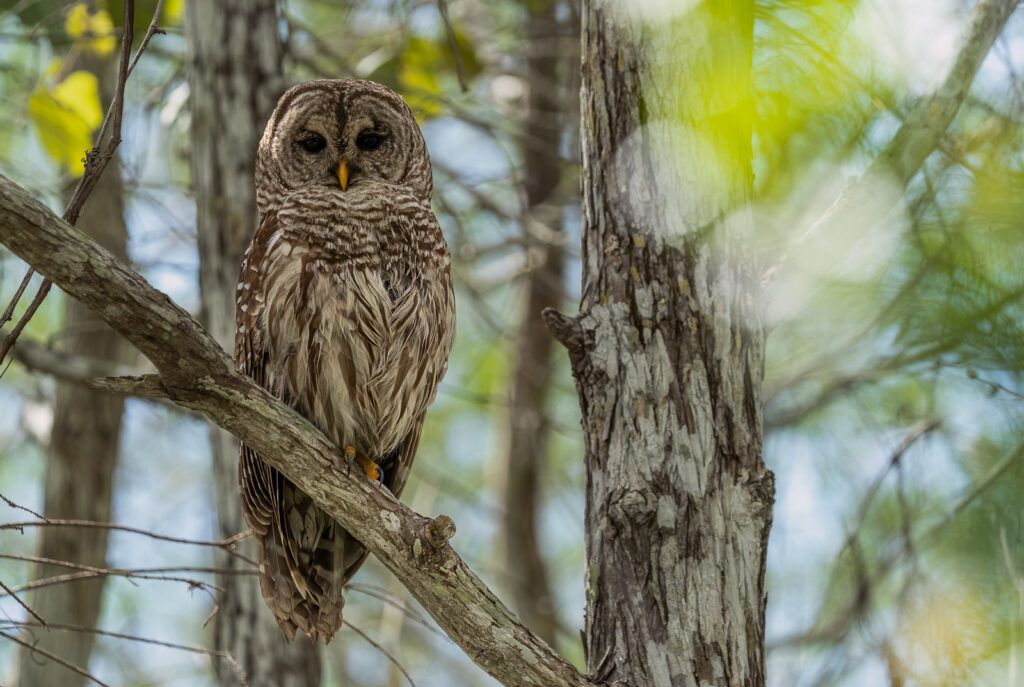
{"x":566,"y":330}
{"x":439,"y":530}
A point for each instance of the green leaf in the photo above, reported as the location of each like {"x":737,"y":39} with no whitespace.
{"x":421,"y":66}
{"x":94,"y":32}
{"x":169,"y":16}
{"x":66,"y":117}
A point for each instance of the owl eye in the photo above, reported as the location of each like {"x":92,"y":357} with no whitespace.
{"x":369,"y":141}
{"x":313,"y":143}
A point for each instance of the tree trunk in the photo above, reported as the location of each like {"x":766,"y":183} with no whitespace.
{"x":668,"y":348}
{"x":235,"y":78}
{"x":83,"y":452}
{"x":529,"y":429}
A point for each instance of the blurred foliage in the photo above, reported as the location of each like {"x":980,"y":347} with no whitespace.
{"x":65,"y":116}
{"x":883,"y":569}
{"x":93,"y":32}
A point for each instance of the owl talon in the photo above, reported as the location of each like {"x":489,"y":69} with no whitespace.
{"x":372,"y":470}
{"x":350,"y":455}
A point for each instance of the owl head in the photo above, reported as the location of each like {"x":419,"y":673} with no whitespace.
{"x":343,"y":134}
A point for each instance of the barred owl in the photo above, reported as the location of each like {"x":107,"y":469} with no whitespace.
{"x":345,"y":311}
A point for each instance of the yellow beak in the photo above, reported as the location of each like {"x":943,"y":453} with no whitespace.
{"x":343,"y":174}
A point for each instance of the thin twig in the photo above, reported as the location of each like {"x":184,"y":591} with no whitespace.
{"x":40,"y":296}
{"x":9,"y":310}
{"x":12,"y":504}
{"x":54,"y":657}
{"x":223,"y":544}
{"x":219,"y":653}
{"x":844,"y":618}
{"x":381,"y":649}
{"x":126,"y":571}
{"x":385,"y":596}
{"x":96,"y":160}
{"x":127,"y":574}
{"x":150,"y":32}
{"x":10,"y":592}
{"x":453,"y":43}
{"x":916,"y":432}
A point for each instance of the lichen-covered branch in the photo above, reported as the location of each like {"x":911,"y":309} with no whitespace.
{"x":198,"y":374}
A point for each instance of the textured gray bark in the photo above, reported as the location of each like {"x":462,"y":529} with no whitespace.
{"x":234,"y":79}
{"x":544,"y":126}
{"x":82,"y":455}
{"x":668,"y":348}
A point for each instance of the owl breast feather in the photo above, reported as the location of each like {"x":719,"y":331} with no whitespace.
{"x":347,"y":345}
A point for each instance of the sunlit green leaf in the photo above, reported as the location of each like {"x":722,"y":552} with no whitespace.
{"x":65,"y":116}
{"x":94,"y":32}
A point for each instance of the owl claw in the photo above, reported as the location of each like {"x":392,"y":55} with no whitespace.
{"x":350,"y":455}
{"x":372,"y":470}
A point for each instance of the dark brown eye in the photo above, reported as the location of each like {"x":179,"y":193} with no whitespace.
{"x":369,"y":141}
{"x":313,"y":143}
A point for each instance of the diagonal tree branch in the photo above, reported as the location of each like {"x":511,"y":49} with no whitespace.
{"x":198,"y":374}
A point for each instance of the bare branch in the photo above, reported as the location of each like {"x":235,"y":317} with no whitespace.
{"x":96,"y":160}
{"x":53,"y":657}
{"x":378,"y":647}
{"x":399,"y":604}
{"x":90,"y":571}
{"x":37,"y":300}
{"x":199,"y":375}
{"x":150,"y":32}
{"x":63,"y":365}
{"x":226,"y":544}
{"x":145,"y":640}
{"x":126,"y":571}
{"x":10,"y":592}
{"x":843,"y":619}
{"x":144,"y":386}
{"x":12,"y":504}
{"x":453,"y":44}
{"x":9,"y":310}
{"x":207,"y":587}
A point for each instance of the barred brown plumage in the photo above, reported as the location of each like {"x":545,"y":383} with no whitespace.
{"x":344,"y":310}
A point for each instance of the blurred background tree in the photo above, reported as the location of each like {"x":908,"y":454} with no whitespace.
{"x":893,"y":377}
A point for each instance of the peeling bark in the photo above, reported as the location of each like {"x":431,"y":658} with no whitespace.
{"x":668,"y":349}
{"x":234,"y":79}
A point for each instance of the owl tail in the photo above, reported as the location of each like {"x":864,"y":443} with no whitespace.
{"x":302,"y":567}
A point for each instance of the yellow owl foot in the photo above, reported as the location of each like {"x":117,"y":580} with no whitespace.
{"x":372,"y":470}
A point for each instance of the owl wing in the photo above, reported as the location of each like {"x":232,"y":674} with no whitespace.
{"x":260,"y":484}
{"x":300,"y":547}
